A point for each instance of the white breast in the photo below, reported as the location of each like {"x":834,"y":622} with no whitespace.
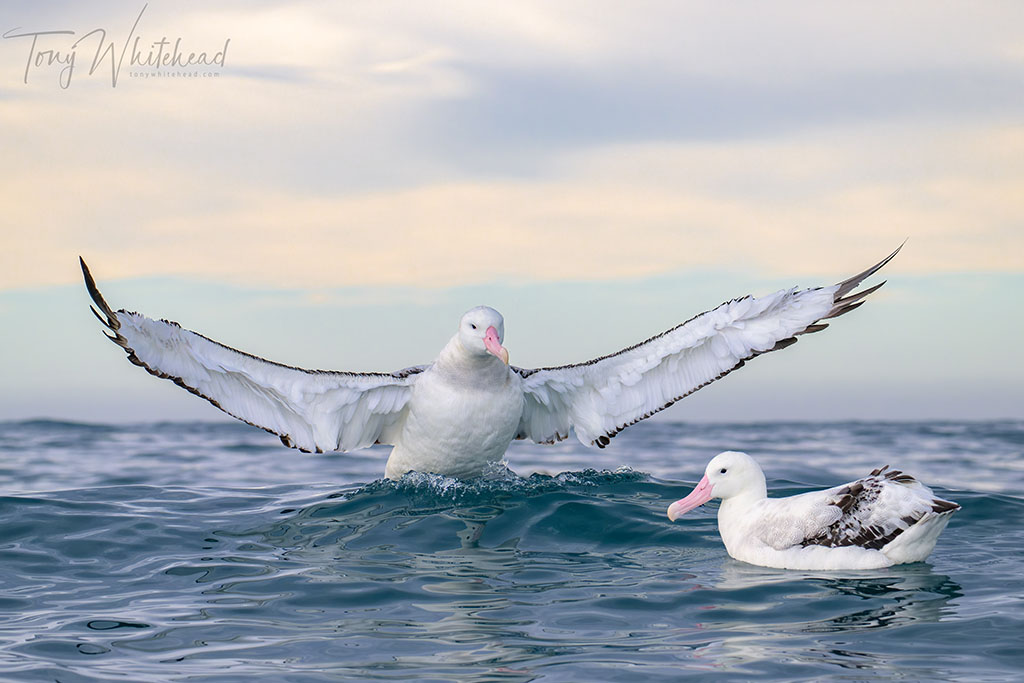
{"x":457,"y":427}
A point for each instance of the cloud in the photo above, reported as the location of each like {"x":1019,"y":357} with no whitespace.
{"x":545,"y":109}
{"x":621,"y":212}
{"x":380,"y":144}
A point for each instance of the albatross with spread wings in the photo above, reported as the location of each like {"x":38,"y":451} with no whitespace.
{"x":459,"y":414}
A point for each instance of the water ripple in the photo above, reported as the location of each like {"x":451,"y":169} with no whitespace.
{"x":174,"y":574}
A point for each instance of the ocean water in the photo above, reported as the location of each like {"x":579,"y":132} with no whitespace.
{"x":208,"y":552}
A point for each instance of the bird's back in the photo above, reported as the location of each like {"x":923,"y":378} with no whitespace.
{"x":879,"y":508}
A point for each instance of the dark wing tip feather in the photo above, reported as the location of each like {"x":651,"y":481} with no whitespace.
{"x":811,"y":329}
{"x":841,"y":309}
{"x":849,"y":284}
{"x":860,"y":295}
{"x":97,"y":314}
{"x":90,"y":284}
{"x":781,"y":344}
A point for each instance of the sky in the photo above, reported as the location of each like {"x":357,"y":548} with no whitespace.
{"x":333,"y":184}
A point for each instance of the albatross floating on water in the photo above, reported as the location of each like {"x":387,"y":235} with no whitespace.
{"x":886,"y":518}
{"x":459,"y":414}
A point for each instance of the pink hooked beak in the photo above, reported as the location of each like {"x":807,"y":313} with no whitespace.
{"x":493,"y":344}
{"x":698,"y":496}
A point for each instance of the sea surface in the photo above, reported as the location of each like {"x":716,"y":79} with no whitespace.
{"x":209,"y":552}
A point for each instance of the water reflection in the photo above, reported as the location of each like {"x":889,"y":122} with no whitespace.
{"x":800,"y":613}
{"x":917,"y":597}
{"x":908,"y":593}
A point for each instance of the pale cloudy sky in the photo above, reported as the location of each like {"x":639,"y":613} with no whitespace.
{"x":357,"y":174}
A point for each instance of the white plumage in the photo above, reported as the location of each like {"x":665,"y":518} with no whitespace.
{"x":457,"y":415}
{"x":883,"y":519}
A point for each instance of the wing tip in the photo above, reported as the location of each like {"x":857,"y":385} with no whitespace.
{"x":94,"y":293}
{"x":851,"y":283}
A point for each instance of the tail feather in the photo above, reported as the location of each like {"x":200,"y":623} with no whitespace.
{"x":916,"y":543}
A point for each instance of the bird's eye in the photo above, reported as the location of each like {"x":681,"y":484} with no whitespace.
{"x":472,"y":325}
{"x":721,"y":471}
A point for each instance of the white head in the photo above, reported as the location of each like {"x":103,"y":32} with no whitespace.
{"x":481,"y":331}
{"x":728,"y":474}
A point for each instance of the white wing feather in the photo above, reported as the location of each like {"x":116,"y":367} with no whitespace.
{"x":311,"y":410}
{"x":604,"y":396}
{"x":601,"y":397}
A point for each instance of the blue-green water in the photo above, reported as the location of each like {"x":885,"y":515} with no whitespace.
{"x":209,"y":552}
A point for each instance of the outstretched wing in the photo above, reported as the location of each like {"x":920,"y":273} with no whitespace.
{"x":311,"y":410}
{"x":603,"y":396}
